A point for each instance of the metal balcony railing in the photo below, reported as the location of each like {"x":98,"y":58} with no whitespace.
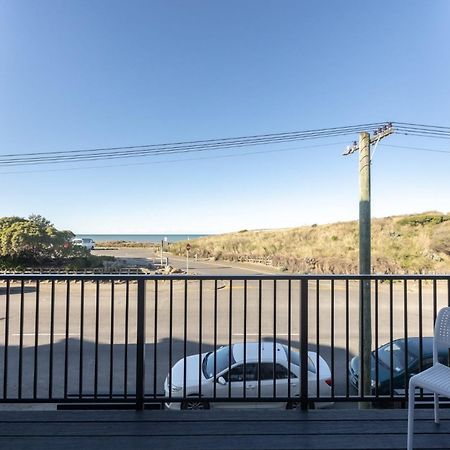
{"x":127,"y":339}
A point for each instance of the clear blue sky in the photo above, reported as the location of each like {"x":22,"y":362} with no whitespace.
{"x":91,"y":73}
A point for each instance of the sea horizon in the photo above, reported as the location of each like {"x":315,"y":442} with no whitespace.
{"x":142,"y":237}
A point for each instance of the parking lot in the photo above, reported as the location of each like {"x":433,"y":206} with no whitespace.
{"x":93,"y":332}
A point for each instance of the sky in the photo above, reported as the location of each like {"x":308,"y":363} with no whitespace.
{"x":100,"y":73}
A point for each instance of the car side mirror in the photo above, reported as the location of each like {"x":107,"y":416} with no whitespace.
{"x":221,"y":380}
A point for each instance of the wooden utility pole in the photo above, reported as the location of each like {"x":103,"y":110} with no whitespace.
{"x":365,"y":321}
{"x":365,"y":265}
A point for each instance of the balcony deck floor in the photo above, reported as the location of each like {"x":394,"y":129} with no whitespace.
{"x":219,"y":429}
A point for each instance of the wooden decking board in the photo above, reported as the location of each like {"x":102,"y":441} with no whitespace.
{"x":216,"y":415}
{"x":237,"y":428}
{"x":236,"y":443}
{"x":251,"y":429}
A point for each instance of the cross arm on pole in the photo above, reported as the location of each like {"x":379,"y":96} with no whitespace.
{"x":376,"y":136}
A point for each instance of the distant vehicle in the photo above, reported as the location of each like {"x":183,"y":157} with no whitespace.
{"x":398,"y":357}
{"x":84,"y":242}
{"x":257,"y":372}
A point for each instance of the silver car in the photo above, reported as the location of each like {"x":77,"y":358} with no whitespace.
{"x":261,"y":374}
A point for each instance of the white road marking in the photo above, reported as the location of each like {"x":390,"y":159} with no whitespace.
{"x":45,"y":334}
{"x":265,"y":335}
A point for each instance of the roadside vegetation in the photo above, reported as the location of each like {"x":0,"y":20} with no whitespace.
{"x":418,"y":243}
{"x":35,"y":242}
{"x":113,"y":245}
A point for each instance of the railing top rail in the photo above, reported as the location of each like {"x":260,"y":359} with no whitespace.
{"x":134,"y":277}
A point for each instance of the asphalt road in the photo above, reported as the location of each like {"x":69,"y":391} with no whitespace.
{"x":142,"y":256}
{"x":85,"y":336}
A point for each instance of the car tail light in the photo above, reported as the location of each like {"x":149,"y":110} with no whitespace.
{"x":329,"y":381}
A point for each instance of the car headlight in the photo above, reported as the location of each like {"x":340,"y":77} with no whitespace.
{"x":373,"y":383}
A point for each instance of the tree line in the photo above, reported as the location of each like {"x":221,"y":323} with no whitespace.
{"x":35,"y":241}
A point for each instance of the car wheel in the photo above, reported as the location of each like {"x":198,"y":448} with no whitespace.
{"x":296,"y":405}
{"x":194,"y":405}
{"x":292,"y":405}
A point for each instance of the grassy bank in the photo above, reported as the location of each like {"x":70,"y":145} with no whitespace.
{"x":418,"y":243}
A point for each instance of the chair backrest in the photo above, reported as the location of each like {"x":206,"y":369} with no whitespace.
{"x":441,"y":332}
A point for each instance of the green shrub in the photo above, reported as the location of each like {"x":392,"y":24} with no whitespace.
{"x":424,"y":219}
{"x":36,"y":242}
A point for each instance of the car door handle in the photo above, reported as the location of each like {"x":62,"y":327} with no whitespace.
{"x":251,"y":386}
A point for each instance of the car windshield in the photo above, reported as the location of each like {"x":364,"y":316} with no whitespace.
{"x":295,"y":359}
{"x":398,"y":356}
{"x":221,"y":358}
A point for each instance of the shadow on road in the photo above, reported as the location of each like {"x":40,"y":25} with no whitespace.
{"x":17,"y":290}
{"x":81,"y":369}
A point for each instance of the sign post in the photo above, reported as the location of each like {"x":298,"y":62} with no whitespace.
{"x":188,"y":248}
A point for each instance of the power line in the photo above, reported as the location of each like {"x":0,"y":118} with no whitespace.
{"x":176,"y":148}
{"x":163,"y":149}
{"x":207,"y":145}
{"x":426,"y":135}
{"x":423,"y":149}
{"x":149,"y":152}
{"x":204,"y":141}
{"x":235,"y":155}
{"x":421,"y":130}
{"x":418,"y":125}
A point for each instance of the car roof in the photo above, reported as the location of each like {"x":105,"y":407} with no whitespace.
{"x":252,"y":351}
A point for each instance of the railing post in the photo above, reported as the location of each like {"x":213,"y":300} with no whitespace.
{"x":140,"y":345}
{"x":304,"y":344}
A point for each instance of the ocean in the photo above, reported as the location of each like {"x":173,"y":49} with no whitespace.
{"x":141,"y":237}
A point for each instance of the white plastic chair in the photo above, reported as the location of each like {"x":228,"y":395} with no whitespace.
{"x":435,"y":379}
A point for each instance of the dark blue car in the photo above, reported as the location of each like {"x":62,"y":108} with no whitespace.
{"x":398,"y":358}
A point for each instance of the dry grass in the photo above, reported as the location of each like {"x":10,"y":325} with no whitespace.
{"x":402,"y":244}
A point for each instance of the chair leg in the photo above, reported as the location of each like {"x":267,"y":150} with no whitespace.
{"x":436,"y":408}
{"x":410,"y":417}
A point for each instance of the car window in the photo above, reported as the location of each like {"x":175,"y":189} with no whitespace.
{"x":266,"y":371}
{"x":281,"y":373}
{"x":251,"y":371}
{"x":237,"y":373}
